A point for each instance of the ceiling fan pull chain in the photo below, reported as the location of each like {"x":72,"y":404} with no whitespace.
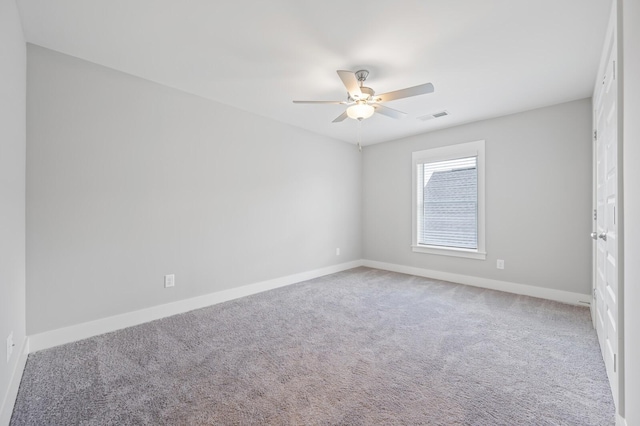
{"x":359,"y":135}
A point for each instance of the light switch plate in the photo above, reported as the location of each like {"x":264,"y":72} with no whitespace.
{"x":9,"y":346}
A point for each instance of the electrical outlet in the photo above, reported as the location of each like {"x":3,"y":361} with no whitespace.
{"x":10,"y":346}
{"x":338,"y":251}
{"x":500,"y":264}
{"x":169,"y":280}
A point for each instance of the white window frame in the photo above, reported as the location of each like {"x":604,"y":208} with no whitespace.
{"x":451,"y":152}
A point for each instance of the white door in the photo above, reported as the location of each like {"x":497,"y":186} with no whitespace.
{"x":606,"y":283}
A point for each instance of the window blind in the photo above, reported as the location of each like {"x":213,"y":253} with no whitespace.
{"x":449,"y":211}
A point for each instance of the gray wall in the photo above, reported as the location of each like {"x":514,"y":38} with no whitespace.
{"x":538,"y":198}
{"x":12,"y":188}
{"x":630,"y":11}
{"x":129,"y":180}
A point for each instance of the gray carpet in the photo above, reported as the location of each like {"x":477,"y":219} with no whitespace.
{"x":361,"y":347}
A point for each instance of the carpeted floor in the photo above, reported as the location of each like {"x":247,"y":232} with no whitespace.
{"x":360,"y":347}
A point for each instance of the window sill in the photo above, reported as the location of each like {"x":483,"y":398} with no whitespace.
{"x":446,"y":251}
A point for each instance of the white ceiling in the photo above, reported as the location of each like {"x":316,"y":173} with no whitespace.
{"x":485,"y":58}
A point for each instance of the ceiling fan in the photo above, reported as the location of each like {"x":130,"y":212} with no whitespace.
{"x":363,"y":101}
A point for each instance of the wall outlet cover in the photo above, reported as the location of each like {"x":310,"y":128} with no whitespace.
{"x":169,"y":280}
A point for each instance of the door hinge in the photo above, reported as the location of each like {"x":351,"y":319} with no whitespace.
{"x":595,"y":135}
{"x":615,"y":363}
{"x":595,"y":214}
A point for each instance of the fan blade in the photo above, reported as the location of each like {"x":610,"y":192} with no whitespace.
{"x":405,"y":93}
{"x":389,"y":112}
{"x":321,"y":102}
{"x":350,"y":82}
{"x":341,"y":117}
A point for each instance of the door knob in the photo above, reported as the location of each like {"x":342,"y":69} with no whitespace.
{"x":603,"y":236}
{"x":594,"y":235}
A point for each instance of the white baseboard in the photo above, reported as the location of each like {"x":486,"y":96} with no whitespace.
{"x":73,"y":333}
{"x":49,"y":339}
{"x":14,"y":384}
{"x":620,"y":421}
{"x":526,"y":290}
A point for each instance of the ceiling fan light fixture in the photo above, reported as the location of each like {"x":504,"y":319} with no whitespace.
{"x":360,"y":111}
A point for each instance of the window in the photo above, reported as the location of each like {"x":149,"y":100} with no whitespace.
{"x":448,"y":201}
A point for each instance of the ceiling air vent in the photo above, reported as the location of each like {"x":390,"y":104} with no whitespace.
{"x":434,"y":115}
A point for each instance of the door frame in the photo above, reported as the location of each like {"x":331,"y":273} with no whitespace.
{"x":614,"y":30}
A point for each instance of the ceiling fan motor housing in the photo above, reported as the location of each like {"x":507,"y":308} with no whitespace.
{"x":367,"y":93}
